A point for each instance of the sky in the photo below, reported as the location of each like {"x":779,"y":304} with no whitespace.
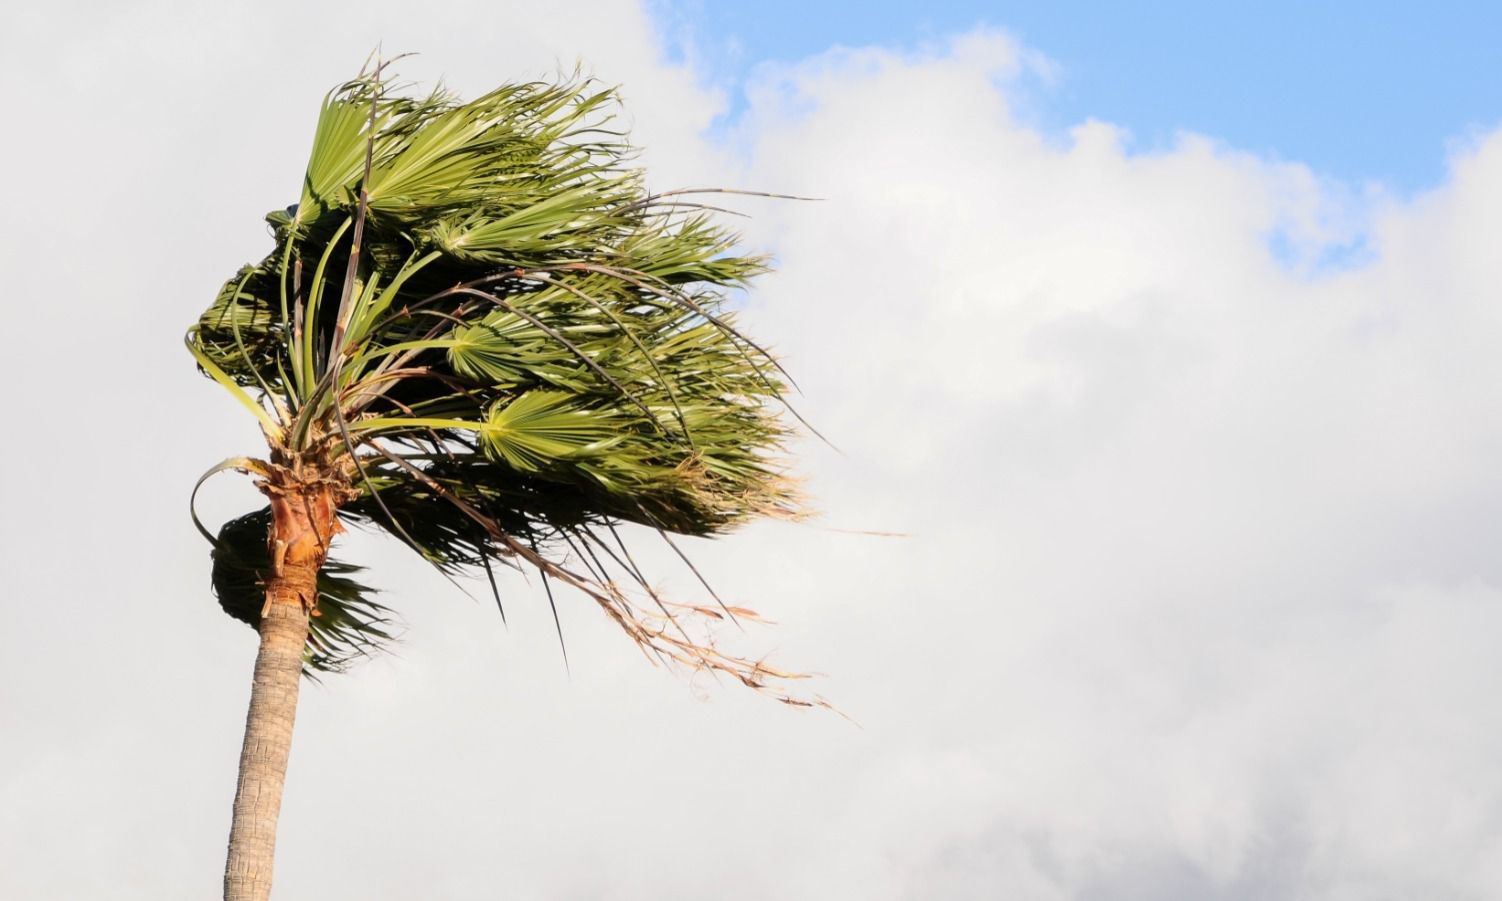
{"x":1359,"y":92}
{"x":1167,"y":345}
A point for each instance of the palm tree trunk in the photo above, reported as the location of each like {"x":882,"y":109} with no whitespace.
{"x":268,"y":734}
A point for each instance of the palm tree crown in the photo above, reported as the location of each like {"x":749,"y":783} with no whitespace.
{"x":478,"y":330}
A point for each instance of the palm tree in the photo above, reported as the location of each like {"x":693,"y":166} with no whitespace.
{"x":478,"y":331}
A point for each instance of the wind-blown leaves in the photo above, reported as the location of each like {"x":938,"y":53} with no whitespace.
{"x":543,"y":431}
{"x":530,"y":346}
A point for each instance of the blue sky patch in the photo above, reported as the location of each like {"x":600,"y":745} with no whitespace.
{"x":1360,"y":92}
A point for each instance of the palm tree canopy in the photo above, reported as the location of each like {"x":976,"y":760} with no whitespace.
{"x":478,"y":318}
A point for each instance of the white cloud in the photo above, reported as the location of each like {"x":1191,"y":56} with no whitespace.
{"x":1199,"y":598}
{"x":1201,"y":537}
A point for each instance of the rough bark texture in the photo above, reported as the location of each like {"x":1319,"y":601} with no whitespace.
{"x":303,"y":524}
{"x":268,"y":741}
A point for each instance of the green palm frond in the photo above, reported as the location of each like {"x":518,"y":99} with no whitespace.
{"x":350,"y":625}
{"x":528,"y":349}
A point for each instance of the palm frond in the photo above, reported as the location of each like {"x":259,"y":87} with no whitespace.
{"x":528,"y":348}
{"x":349,"y":626}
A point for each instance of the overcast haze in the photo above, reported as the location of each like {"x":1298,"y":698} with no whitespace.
{"x":1195,"y":449}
